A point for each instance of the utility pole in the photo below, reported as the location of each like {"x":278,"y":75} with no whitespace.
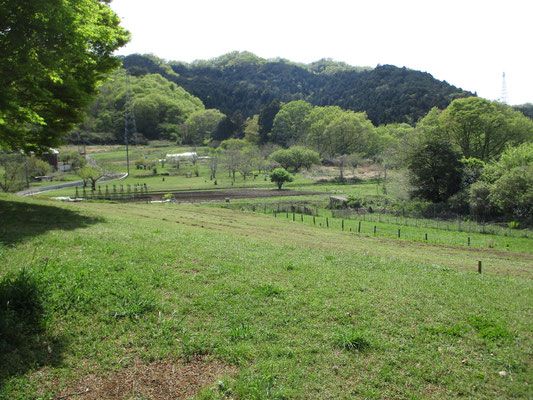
{"x":130,"y":126}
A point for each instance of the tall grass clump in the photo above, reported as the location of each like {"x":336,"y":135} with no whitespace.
{"x":351,"y":339}
{"x":21,"y":309}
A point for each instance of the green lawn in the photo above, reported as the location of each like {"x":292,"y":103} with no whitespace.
{"x":260,"y":307}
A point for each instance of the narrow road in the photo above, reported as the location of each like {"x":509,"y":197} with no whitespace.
{"x":109,"y":176}
{"x":34,"y":191}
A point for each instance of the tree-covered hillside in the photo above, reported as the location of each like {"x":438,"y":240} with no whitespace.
{"x":246,"y":83}
{"x":160,"y":108}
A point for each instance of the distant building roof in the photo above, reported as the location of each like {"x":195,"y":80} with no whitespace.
{"x":183,"y":155}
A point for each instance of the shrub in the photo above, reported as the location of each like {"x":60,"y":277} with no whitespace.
{"x":280,"y":176}
{"x":355,"y":201}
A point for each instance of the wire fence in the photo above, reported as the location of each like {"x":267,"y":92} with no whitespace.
{"x":451,"y":225}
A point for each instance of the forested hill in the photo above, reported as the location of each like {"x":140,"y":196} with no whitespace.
{"x":246,"y":83}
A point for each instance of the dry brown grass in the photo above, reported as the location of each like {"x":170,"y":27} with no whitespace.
{"x":159,"y":380}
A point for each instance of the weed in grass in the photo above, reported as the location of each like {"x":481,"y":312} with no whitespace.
{"x":192,"y":345}
{"x":269,"y":291}
{"x":263,"y":386}
{"x":351,"y":339}
{"x":488,"y":329}
{"x":241,"y":331}
{"x":132,"y":304}
{"x":453,"y":330}
{"x":290,"y":267}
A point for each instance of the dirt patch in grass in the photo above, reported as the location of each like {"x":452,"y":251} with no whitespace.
{"x":210,"y":195}
{"x":365,"y":171}
{"x":167,"y":379}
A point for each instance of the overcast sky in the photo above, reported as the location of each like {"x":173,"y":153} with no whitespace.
{"x":468,"y":43}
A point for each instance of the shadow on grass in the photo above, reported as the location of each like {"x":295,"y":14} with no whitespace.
{"x":21,"y":220}
{"x":24,"y":342}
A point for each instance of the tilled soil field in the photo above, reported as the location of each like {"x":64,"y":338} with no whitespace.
{"x":214,"y":195}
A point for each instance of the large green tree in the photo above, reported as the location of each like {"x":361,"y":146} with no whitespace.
{"x":436,"y":170}
{"x":289,"y":127}
{"x":348,"y":133}
{"x":480,"y":128}
{"x":296,"y":157}
{"x":317,"y":121}
{"x":200,"y":126}
{"x":53,"y":54}
{"x":266,"y":119}
{"x":508,"y":183}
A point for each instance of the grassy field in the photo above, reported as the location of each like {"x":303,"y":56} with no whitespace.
{"x":141,"y":301}
{"x":387,"y":226}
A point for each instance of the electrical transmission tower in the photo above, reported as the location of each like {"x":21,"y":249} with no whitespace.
{"x":130,"y":126}
{"x":504,"y":99}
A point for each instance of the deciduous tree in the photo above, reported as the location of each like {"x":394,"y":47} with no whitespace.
{"x":289,"y":127}
{"x":53,"y":54}
{"x":280,"y":176}
{"x":435,"y":169}
{"x":200,"y":126}
{"x":482,"y":129}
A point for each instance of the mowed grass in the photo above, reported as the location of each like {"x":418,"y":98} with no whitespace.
{"x":294,"y":311}
{"x":505,"y":241}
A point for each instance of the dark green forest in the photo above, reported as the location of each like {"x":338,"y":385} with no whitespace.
{"x":242,"y":82}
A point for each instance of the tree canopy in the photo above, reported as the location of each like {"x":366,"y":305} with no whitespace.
{"x":436,"y":170}
{"x":53,"y":54}
{"x":479,"y":127}
{"x":245,"y":82}
{"x":161,"y":108}
{"x":289,"y":125}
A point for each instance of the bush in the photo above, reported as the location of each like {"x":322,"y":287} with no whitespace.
{"x":38,"y":167}
{"x":355,"y":201}
{"x":280,"y":176}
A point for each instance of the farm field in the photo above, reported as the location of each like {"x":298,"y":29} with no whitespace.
{"x":137,"y":300}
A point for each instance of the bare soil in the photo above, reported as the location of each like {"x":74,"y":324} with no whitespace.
{"x":213,"y":195}
{"x":157,"y":380}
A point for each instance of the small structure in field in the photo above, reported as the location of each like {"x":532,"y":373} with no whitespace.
{"x":190,"y":156}
{"x":338,"y":202}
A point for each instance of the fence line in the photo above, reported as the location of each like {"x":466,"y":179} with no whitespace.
{"x":457,"y":225}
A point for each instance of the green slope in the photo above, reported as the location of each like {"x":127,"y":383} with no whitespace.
{"x":129,"y":294}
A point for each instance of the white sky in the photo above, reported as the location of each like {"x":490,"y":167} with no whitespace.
{"x":468,"y":43}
